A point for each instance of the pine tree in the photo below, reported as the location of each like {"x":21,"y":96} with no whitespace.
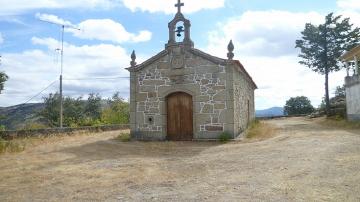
{"x":3,"y":78}
{"x":322,"y":45}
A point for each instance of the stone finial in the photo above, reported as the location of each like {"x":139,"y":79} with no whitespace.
{"x":230,"y":47}
{"x":133,"y":58}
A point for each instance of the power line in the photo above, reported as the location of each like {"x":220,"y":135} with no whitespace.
{"x":41,"y":91}
{"x":78,"y":79}
{"x":97,"y":78}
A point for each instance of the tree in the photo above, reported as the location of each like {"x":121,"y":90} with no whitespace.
{"x":322,"y":45}
{"x":298,"y":105}
{"x":3,"y":79}
{"x":51,"y":109}
{"x":340,"y":92}
{"x":93,"y":106}
{"x":73,"y":110}
{"x":117,"y":112}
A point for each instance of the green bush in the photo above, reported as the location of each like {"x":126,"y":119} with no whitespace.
{"x":124,"y":137}
{"x":34,"y":126}
{"x":90,"y":122}
{"x":225,"y":137}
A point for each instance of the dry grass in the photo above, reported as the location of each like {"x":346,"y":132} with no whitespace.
{"x":259,"y":130}
{"x":22,"y":144}
{"x":12,"y":146}
{"x":339,"y":123}
{"x":316,"y":164}
{"x":124,"y":137}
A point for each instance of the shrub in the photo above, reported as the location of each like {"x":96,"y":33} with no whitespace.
{"x":225,"y":136}
{"x":339,"y":122}
{"x":260,"y":130}
{"x":90,"y":122}
{"x":34,"y":126}
{"x":124,"y":137}
{"x":11,"y":145}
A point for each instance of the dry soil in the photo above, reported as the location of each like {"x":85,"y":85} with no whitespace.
{"x":303,"y":162}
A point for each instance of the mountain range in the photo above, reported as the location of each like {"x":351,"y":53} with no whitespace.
{"x":274,"y":111}
{"x":16,"y":117}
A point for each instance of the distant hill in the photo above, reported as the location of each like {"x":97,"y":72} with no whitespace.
{"x":19,"y":115}
{"x":274,"y":111}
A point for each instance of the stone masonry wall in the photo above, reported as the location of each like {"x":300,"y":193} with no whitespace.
{"x":202,"y":79}
{"x":244,"y":106}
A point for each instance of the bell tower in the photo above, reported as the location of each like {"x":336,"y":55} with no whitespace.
{"x":179,"y":27}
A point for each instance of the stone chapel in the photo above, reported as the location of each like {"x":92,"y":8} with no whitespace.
{"x":182,"y":93}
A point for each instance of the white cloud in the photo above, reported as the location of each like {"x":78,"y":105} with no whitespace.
{"x":262,"y":33}
{"x":53,"y":19}
{"x":348,"y":4}
{"x":283,"y":77}
{"x":353,"y":15}
{"x":32,"y":70}
{"x":265,"y":44}
{"x":1,"y":38}
{"x":11,"y":7}
{"x":109,"y":30}
{"x":167,"y":6}
{"x":99,"y":29}
{"x":350,"y":9}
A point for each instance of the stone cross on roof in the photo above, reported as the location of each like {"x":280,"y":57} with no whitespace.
{"x":179,"y":5}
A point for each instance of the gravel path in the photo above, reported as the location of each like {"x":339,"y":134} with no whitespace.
{"x":303,"y":162}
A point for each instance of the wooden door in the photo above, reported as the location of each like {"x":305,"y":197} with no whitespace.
{"x":179,"y":117}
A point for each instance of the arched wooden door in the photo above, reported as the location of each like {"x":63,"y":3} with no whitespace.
{"x":179,"y":117}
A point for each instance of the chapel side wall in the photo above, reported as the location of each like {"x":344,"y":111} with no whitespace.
{"x":244,"y":106}
{"x":352,"y":85}
{"x":202,"y":79}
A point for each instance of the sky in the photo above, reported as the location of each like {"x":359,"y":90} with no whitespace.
{"x":263,"y":32}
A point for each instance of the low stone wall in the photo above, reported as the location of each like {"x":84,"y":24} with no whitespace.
{"x":12,"y":134}
{"x":279,"y":117}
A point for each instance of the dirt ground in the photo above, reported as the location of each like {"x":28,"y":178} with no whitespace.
{"x":303,"y":162}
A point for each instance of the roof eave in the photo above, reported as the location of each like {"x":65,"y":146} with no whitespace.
{"x":349,"y":55}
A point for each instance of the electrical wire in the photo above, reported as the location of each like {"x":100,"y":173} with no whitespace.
{"x":41,"y":91}
{"x":96,"y":78}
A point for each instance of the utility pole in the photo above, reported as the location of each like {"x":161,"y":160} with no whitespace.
{"x":62,"y":64}
{"x":61,"y":73}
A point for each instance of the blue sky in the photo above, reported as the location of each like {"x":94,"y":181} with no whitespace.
{"x":263,"y":31}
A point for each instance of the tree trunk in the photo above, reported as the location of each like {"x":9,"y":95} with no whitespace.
{"x":327,"y":99}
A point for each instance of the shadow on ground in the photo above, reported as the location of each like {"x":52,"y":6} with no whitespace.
{"x":115,"y":149}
